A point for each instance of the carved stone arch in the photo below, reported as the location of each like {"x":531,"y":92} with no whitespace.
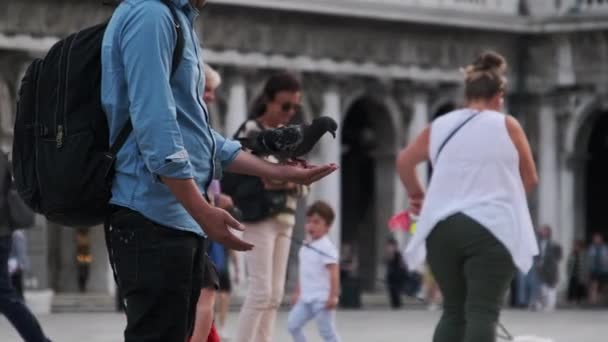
{"x":584,"y":107}
{"x":445,"y":97}
{"x":314,"y":86}
{"x":255,"y":81}
{"x":382,"y":96}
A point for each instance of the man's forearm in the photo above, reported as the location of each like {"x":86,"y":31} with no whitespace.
{"x":188,"y":194}
{"x":247,"y":164}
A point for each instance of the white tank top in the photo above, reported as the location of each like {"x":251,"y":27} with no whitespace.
{"x":477,"y":173}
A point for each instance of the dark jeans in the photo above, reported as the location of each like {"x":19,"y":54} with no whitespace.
{"x":11,"y":305}
{"x":473,"y":270}
{"x":158,"y":271}
{"x":17,"y":282}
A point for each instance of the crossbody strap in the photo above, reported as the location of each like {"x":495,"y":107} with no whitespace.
{"x":178,"y":52}
{"x":451,"y":135}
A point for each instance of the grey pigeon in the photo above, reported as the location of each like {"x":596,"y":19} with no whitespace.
{"x":290,"y":142}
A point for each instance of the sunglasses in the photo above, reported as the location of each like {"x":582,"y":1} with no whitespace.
{"x":287,"y":106}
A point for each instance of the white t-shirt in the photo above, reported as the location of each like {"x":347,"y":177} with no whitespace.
{"x":314,"y":275}
{"x":477,"y":174}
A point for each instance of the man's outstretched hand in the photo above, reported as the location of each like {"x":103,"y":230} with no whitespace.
{"x":217,"y":223}
{"x":297,"y":171}
{"x":301,"y":172}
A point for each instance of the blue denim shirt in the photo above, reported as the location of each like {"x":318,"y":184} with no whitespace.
{"x":171,"y":133}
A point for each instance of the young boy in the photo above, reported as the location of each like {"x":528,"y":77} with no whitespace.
{"x":316,"y":295}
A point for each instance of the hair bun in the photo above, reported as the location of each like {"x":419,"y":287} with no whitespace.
{"x":490,"y":61}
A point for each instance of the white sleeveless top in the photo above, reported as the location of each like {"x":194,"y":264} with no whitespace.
{"x":477,"y":173}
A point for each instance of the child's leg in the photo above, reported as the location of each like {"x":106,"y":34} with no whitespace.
{"x":326,"y":323}
{"x":299,"y":315}
{"x":204,"y":316}
{"x":224,"y":303}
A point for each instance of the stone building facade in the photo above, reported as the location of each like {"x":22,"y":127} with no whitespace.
{"x":383,"y":69}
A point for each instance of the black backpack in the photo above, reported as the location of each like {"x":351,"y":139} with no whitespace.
{"x":63,"y":163}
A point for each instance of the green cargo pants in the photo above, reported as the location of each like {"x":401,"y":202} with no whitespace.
{"x":473,"y":270}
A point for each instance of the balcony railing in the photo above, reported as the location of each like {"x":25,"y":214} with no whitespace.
{"x":549,"y":8}
{"x":506,"y":7}
{"x":486,"y":6}
{"x":591,"y":6}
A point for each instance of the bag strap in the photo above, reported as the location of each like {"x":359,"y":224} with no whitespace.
{"x":177,"y":57}
{"x":451,"y":135}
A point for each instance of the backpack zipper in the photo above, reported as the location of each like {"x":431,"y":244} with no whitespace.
{"x":59,"y":136}
{"x":39,"y":65}
{"x":67,"y":80}
{"x":58,"y":139}
{"x":61,"y":127}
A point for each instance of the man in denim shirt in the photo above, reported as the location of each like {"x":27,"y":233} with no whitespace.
{"x":160,"y":212}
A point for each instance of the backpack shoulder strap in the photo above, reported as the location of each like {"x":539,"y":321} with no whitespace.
{"x":451,"y":135}
{"x":178,"y":53}
{"x":179,"y":44}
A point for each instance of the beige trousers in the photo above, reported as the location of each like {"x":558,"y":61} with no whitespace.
{"x":266,"y":267}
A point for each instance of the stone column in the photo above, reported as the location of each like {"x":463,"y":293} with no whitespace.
{"x":548,"y":190}
{"x":328,"y":189}
{"x":236,"y":114}
{"x":420,"y":119}
{"x":567,"y":200}
{"x":237,"y":106}
{"x":6,"y":117}
{"x":563,"y":60}
{"x":100,"y":268}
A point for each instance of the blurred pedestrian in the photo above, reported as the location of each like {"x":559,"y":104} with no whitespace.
{"x":474,"y":220}
{"x":269,"y":209}
{"x":578,"y":273}
{"x":548,"y":265}
{"x":396,"y":272}
{"x":597,"y":258}
{"x":318,"y":289}
{"x":11,"y":305}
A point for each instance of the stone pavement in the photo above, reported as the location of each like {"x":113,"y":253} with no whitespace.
{"x":354,"y":326}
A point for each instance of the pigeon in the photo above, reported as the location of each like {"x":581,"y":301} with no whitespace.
{"x":290,"y":142}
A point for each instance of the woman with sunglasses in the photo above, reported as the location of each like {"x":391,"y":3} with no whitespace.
{"x":269,"y":214}
{"x":475,"y":221}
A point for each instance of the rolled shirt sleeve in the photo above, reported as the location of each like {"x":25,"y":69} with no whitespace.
{"x":226,"y":150}
{"x":147,"y":40}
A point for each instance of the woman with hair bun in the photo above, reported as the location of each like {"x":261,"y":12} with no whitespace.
{"x":474,"y":219}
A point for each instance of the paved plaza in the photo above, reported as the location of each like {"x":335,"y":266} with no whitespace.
{"x":354,"y":326}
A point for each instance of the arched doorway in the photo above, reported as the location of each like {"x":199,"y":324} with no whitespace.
{"x":368,"y":157}
{"x":596,"y":182}
{"x":444,"y":109}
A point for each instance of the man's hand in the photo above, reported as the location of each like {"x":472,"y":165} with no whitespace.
{"x":303,"y":174}
{"x":332,"y":303}
{"x":296,"y":172}
{"x":216,"y":223}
